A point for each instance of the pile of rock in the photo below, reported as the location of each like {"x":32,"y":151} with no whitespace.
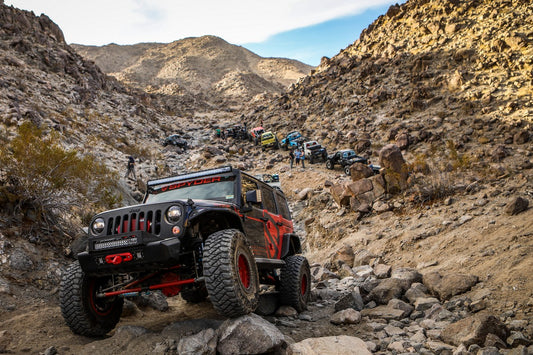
{"x":366,"y":191}
{"x":402,"y":311}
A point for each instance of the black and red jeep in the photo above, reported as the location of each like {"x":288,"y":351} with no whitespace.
{"x":216,"y":233}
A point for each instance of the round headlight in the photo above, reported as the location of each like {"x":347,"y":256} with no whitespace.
{"x":174,"y":214}
{"x":98,"y":226}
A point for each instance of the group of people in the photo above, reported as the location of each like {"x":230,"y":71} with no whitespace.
{"x":297,"y":156}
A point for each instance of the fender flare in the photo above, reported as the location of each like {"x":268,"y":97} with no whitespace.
{"x":291,"y":245}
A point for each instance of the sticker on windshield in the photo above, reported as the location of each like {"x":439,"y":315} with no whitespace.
{"x":229,"y":197}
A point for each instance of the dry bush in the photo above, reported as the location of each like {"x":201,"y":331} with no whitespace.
{"x":432,"y":187}
{"x":41,"y":173}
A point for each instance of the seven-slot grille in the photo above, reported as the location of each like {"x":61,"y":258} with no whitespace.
{"x":147,"y":221}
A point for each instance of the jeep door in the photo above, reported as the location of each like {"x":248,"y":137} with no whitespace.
{"x":271,"y":220}
{"x":253,"y":220}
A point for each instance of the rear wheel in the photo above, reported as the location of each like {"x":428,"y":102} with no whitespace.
{"x":85,"y":313}
{"x":295,"y":282}
{"x":347,"y":170}
{"x":230,"y":272}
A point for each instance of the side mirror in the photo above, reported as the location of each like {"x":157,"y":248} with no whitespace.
{"x":253,"y":196}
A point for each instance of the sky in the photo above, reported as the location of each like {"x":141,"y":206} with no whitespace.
{"x":305,"y":30}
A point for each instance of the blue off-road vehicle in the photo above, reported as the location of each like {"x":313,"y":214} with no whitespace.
{"x":216,"y":234}
{"x":292,"y":140}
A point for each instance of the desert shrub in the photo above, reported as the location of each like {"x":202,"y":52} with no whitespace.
{"x":458,"y":161}
{"x":432,"y":187}
{"x":53,"y":179}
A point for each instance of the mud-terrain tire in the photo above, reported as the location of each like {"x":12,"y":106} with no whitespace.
{"x":329,"y":165}
{"x":83,"y":312}
{"x":347,"y":170}
{"x":230,"y":272}
{"x":195,"y":294}
{"x":295,"y":283}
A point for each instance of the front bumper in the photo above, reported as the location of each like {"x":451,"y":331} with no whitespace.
{"x":144,"y":255}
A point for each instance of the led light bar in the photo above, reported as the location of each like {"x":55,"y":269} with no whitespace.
{"x":225,"y":169}
{"x":115,"y":243}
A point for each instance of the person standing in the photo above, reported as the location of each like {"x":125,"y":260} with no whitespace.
{"x":297,"y":156}
{"x":302,"y":158}
{"x":291,"y":157}
{"x":131,"y":168}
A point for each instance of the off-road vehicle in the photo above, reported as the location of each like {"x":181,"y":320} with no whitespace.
{"x":269,"y":140}
{"x":217,"y":233}
{"x":314,"y":151}
{"x":175,"y":140}
{"x":255,"y":134}
{"x":345,"y":158}
{"x":292,"y":140}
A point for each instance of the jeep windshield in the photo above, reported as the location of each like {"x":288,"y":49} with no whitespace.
{"x":214,"y":187}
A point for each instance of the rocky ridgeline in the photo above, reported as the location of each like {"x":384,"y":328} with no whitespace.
{"x":208,"y":69}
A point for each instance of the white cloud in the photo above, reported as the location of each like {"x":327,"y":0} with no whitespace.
{"x":100,"y":22}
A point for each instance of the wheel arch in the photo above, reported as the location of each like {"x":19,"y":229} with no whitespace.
{"x":291,"y":245}
{"x":213,"y":221}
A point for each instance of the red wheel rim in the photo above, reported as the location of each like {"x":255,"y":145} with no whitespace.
{"x":244,"y":271}
{"x":303,"y":285}
{"x":96,"y":306}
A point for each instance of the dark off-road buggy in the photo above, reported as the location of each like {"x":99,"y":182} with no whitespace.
{"x":345,"y":158}
{"x":217,"y":233}
{"x":175,"y":140}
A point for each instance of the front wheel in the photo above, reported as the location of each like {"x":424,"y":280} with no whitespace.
{"x":295,"y":282}
{"x":329,"y":164}
{"x":230,"y":271}
{"x":85,"y":313}
{"x":347,"y":170}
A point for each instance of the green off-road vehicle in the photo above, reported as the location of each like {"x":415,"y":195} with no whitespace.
{"x":216,"y":234}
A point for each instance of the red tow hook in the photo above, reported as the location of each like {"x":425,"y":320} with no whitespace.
{"x":116,"y":259}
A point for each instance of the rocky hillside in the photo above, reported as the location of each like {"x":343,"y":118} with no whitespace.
{"x":431,"y":256}
{"x":423,"y":63}
{"x":450,"y":84}
{"x":207,"y":66}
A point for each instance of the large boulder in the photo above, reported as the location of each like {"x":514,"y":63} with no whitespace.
{"x":360,"y":171}
{"x":361,"y":186}
{"x":333,"y":345}
{"x":249,"y":334}
{"x":474,"y":330}
{"x":395,"y":168}
{"x":406,"y":273}
{"x":341,"y":194}
{"x":352,"y":300}
{"x":516,"y":206}
{"x":449,"y":285}
{"x":387,"y":290}
{"x":203,"y":343}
